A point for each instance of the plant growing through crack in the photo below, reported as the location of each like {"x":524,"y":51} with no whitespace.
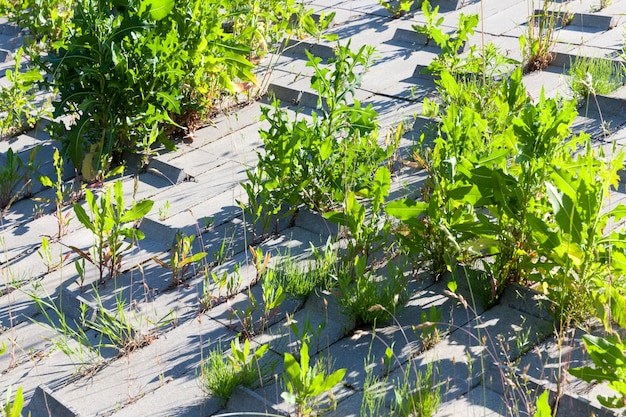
{"x":113,"y":228}
{"x":306,"y":383}
{"x":62,"y":193}
{"x":182,"y":258}
{"x":540,"y":36}
{"x":17,"y":101}
{"x":590,"y":76}
{"x":219,"y":377}
{"x":317,"y":163}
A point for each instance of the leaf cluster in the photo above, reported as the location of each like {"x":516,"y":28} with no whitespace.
{"x":113,"y":227}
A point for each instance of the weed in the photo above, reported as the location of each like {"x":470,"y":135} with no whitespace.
{"x":10,"y":179}
{"x":397,"y":8}
{"x":601,"y":5}
{"x":419,"y":400}
{"x":318,"y":163}
{"x":540,"y":37}
{"x":11,"y":407}
{"x":72,"y":339}
{"x":164,"y":211}
{"x":47,"y":258}
{"x":300,"y":280}
{"x":591,"y":76}
{"x":110,"y":223}
{"x":183,"y":258}
{"x":219,"y":377}
{"x":418,"y":397}
{"x":62,"y":194}
{"x":17,"y":101}
{"x":369,"y":299}
{"x":117,"y":329}
{"x":306,"y":383}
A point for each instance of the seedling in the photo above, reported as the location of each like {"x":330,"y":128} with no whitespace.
{"x":183,"y":258}
{"x":62,"y":194}
{"x":306,"y":383}
{"x":164,"y":211}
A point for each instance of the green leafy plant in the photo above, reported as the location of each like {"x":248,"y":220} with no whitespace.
{"x":397,"y":8}
{"x":608,"y":353}
{"x":62,"y":193}
{"x":316,"y":163}
{"x":126,"y":71}
{"x":219,"y":377}
{"x":17,"y":101}
{"x":118,"y":329}
{"x":369,"y":298}
{"x":10,"y":179}
{"x":183,"y":258}
{"x":70,"y":336}
{"x":46,"y":255}
{"x":47,"y":21}
{"x":415,"y":392}
{"x":421,"y":399}
{"x":306,"y":383}
{"x":110,"y":223}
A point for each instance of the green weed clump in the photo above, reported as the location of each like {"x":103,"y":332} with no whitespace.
{"x":591,"y":76}
{"x":219,"y":377}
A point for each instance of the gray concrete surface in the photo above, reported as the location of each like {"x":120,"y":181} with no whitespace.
{"x":479,"y":351}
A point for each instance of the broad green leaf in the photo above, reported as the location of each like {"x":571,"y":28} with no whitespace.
{"x":543,"y":405}
{"x":158,"y":8}
{"x":406,"y":209}
{"x":293,"y":370}
{"x":567,"y":216}
{"x":169,"y":101}
{"x":333,"y":379}
{"x":83,"y":218}
{"x":136,"y":212}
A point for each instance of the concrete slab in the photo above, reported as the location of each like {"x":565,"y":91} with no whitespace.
{"x":144,"y":370}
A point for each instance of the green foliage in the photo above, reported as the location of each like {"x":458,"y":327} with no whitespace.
{"x":113,"y":227}
{"x":124,"y":71}
{"x":61,"y":193}
{"x":397,"y":8}
{"x":451,"y":45}
{"x":219,"y":377}
{"x":543,"y":405}
{"x":17,"y":101}
{"x":183,"y":258}
{"x":418,"y":399}
{"x":46,"y":20}
{"x":11,"y":408}
{"x":318,"y":162}
{"x":118,"y":329}
{"x":610,"y":366}
{"x":507,"y":196}
{"x":10,"y":179}
{"x":591,"y":76}
{"x":306,"y":383}
{"x":368,"y":298}
{"x":300,"y":281}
